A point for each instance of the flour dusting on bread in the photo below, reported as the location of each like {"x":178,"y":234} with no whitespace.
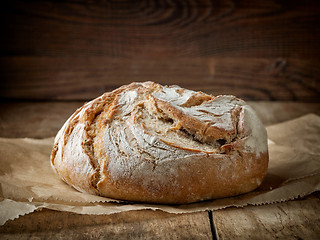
{"x":162,"y":144}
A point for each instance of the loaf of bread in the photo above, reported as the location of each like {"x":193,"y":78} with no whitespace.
{"x":162,"y":144}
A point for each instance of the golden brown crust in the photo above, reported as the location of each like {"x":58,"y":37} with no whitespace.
{"x":145,"y":142}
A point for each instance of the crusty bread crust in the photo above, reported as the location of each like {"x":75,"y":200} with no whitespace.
{"x":151,"y":143}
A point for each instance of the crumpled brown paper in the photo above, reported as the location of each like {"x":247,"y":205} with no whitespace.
{"x":28,"y":183}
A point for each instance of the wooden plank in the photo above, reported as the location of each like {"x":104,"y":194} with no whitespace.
{"x":34,"y":119}
{"x":257,"y":50}
{"x":145,"y":224}
{"x":78,"y":78}
{"x":290,"y":220}
{"x":276,"y":112}
{"x":166,"y":28}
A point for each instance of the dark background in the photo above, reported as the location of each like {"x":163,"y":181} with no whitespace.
{"x":76,"y":50}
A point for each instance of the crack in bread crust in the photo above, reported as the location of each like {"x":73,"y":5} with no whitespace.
{"x":153,"y":143}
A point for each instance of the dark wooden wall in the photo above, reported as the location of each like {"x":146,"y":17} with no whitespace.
{"x":76,"y":50}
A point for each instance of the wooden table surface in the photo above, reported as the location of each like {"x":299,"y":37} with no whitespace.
{"x":299,"y":219}
{"x":54,"y":55}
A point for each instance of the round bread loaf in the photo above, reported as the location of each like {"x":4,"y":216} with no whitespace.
{"x":162,"y":144}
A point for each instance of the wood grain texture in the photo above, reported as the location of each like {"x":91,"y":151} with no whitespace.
{"x":34,"y":119}
{"x":161,"y":28}
{"x":147,"y":224}
{"x":289,"y":220}
{"x":78,"y":78}
{"x":74,"y":50}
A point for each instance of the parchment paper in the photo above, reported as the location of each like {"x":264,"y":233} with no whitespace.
{"x":28,"y":183}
